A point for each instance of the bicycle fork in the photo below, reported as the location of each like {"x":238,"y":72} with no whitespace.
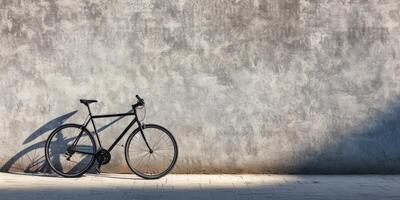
{"x":144,"y":138}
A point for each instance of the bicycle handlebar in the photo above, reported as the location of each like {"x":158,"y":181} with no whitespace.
{"x":140,"y":102}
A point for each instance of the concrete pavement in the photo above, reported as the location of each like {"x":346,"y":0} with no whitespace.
{"x":126,"y":186}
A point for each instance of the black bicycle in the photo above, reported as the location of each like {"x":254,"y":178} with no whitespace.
{"x":150,"y":151}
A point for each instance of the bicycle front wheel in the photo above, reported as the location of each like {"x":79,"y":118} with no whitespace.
{"x":155,"y":162}
{"x":66,"y":159}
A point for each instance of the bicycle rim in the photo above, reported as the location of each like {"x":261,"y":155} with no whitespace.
{"x":56,"y":151}
{"x":151,"y":165}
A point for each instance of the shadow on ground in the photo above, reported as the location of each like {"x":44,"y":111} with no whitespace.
{"x":207,"y":187}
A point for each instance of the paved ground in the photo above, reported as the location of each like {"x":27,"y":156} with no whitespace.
{"x":116,"y":186}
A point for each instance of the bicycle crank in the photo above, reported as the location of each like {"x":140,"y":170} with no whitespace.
{"x":103,"y":156}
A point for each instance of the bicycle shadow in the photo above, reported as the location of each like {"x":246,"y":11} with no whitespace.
{"x":34,"y":154}
{"x":31,"y":153}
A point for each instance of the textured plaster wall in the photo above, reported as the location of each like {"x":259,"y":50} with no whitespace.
{"x":266,"y":86}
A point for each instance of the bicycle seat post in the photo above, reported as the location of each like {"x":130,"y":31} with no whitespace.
{"x":94,"y":126}
{"x":90,"y":113}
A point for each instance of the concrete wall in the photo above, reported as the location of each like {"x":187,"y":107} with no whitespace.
{"x":265,"y":86}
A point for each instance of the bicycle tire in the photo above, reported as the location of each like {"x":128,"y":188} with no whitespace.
{"x":146,"y":132}
{"x":49,"y":160}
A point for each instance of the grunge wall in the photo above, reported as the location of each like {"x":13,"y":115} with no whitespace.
{"x":246,"y":86}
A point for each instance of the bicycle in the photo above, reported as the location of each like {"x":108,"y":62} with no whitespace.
{"x":76,"y":145}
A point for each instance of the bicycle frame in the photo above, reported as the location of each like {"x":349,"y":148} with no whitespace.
{"x":91,"y":119}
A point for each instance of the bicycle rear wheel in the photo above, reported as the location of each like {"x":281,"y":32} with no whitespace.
{"x":70,"y":163}
{"x":154,"y":163}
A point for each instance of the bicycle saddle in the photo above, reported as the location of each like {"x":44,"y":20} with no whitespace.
{"x":87,"y":101}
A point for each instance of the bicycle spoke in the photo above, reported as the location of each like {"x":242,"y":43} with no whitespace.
{"x":159,"y":139}
{"x":161,"y":143}
{"x":168,"y":149}
{"x":164,"y":156}
{"x":141,"y":150}
{"x":158,"y":143}
{"x":141,"y":154}
{"x":139,"y":164}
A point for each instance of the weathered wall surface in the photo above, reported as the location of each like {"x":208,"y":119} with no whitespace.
{"x":281,"y":86}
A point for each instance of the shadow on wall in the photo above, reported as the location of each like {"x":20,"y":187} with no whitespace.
{"x":369,"y":148}
{"x":32,"y":158}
